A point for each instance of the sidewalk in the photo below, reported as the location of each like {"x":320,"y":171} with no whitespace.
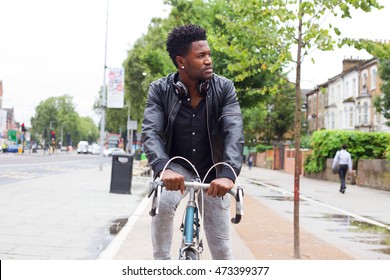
{"x":69,"y":215}
{"x":263,"y":233}
{"x":66,"y":216}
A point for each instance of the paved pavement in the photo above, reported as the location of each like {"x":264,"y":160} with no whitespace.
{"x":75,"y":216}
{"x":64,"y":216}
{"x":266,"y":233}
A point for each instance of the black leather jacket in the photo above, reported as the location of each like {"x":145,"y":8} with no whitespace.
{"x":224,"y":124}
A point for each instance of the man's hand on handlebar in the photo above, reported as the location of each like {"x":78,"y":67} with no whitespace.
{"x":220,"y":186}
{"x":173,"y":181}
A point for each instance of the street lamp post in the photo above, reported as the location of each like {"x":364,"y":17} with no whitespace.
{"x":103,"y":108}
{"x":129,"y":142}
{"x":62,"y":130}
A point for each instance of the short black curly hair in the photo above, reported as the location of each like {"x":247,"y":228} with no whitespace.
{"x":180,"y":39}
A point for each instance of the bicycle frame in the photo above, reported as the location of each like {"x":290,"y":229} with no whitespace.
{"x":190,"y":248}
{"x":190,"y":229}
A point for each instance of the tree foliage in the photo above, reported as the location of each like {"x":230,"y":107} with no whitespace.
{"x":58,"y":113}
{"x":361,"y":145}
{"x":252,"y":43}
{"x":384,"y":102}
{"x":148,"y":60}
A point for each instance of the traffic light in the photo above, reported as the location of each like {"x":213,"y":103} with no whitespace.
{"x":53,"y":135}
{"x":68,"y":139}
{"x":24,"y":129}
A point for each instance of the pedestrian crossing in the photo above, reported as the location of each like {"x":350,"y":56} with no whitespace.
{"x":18,"y":175}
{"x":32,"y":172}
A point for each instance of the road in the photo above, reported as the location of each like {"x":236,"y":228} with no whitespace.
{"x":60,"y":206}
{"x":15,"y":168}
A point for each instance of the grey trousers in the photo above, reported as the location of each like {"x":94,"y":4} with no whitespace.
{"x":216,"y":222}
{"x":343,"y":169}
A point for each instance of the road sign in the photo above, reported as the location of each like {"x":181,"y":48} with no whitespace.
{"x":132,"y":125}
{"x":12,"y":135}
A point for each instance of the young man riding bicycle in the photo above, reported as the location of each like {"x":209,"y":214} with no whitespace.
{"x":193,"y":113}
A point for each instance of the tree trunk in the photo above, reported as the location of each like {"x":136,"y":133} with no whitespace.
{"x":297,"y":138}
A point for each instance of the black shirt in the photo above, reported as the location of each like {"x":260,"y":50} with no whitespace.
{"x":190,"y":138}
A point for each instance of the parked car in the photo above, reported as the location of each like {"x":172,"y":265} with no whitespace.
{"x":82,"y":147}
{"x":95,"y":149}
{"x":109,"y":152}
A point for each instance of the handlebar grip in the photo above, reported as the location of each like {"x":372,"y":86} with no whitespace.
{"x":152,"y":212}
{"x":156,"y":188}
{"x":239,"y":206}
{"x":236,"y":219}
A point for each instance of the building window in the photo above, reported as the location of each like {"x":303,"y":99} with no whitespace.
{"x":346,"y":90}
{"x":354,"y":87}
{"x":365,"y":119}
{"x":345,"y":118}
{"x":373,"y":78}
{"x":364,"y":83}
{"x":359,"y":115}
{"x":351,"y":117}
{"x":338,"y":94}
{"x":326,"y":121}
{"x":332,"y":120}
{"x":331,"y":98}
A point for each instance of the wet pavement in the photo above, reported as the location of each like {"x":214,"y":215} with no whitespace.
{"x":66,"y":215}
{"x":73,"y":215}
{"x":358,"y":221}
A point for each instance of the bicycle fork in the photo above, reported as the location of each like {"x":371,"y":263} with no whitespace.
{"x":190,"y":228}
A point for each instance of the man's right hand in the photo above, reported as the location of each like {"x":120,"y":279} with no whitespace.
{"x":173,"y":181}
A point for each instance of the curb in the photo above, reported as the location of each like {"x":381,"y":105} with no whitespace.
{"x":112,"y":249}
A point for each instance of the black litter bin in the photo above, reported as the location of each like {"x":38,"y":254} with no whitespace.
{"x":121,"y":173}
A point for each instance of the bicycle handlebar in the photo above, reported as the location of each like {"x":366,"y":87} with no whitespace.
{"x":157,"y":185}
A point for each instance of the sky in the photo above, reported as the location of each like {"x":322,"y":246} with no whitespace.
{"x":372,"y":25}
{"x":56,"y":47}
{"x":53,"y":47}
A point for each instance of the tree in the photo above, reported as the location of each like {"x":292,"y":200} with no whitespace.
{"x":278,"y":26}
{"x":87,"y":130}
{"x":383,"y":104}
{"x":270,"y":120}
{"x":58,"y":114}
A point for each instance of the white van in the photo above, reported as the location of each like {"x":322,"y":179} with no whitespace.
{"x":82,"y":147}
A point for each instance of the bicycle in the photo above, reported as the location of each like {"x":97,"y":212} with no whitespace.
{"x":191,"y":244}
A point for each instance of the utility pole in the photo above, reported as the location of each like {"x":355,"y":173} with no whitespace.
{"x":51,"y":123}
{"x":129,"y":142}
{"x":103,"y":108}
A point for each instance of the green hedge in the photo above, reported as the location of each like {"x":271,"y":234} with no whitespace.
{"x":361,"y":145}
{"x":262,"y":148}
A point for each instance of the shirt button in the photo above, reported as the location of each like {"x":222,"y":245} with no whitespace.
{"x":194,"y":150}
{"x":193,"y":115}
{"x":188,"y":99}
{"x":193,"y":133}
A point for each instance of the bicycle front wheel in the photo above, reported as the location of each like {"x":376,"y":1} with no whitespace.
{"x":190,"y":255}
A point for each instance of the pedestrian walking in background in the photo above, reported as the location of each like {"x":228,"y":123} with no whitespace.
{"x":250,"y":162}
{"x":343,"y":160}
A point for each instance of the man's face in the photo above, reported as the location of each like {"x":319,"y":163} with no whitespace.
{"x":198,"y":63}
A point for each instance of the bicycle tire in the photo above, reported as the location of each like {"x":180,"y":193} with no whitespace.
{"x":190,"y":255}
